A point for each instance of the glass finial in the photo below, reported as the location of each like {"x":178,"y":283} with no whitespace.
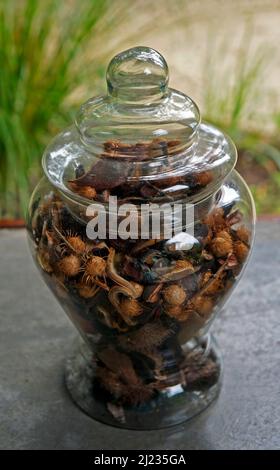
{"x":139,"y":74}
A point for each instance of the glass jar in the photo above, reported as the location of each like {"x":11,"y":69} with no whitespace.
{"x":141,"y":228}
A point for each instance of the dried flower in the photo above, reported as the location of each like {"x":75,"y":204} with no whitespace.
{"x":216,"y":219}
{"x":86,"y":291}
{"x":243,"y":234}
{"x":221,"y":245}
{"x":131,"y":307}
{"x":70,"y":265}
{"x":96,"y":266}
{"x":174,"y":294}
{"x":76,"y":243}
{"x":241,"y":251}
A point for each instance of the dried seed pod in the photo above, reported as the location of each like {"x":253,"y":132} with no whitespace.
{"x":86,"y":291}
{"x":76,"y":243}
{"x":205,"y":277}
{"x":174,"y":294}
{"x":204,"y":178}
{"x":152,"y":293}
{"x":131,"y":307}
{"x":241,"y":251}
{"x":96,"y":266}
{"x":147,"y":338}
{"x":85,"y":191}
{"x":203,"y":305}
{"x":221,"y":245}
{"x":216,"y":219}
{"x":70,"y":265}
{"x":177,"y":312}
{"x":243,"y":234}
{"x":179,"y":270}
{"x":216,"y":285}
{"x":224,"y":234}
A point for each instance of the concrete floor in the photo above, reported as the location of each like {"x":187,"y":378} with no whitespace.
{"x":36,"y":337}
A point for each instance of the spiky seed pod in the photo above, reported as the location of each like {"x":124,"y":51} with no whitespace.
{"x":77,"y":244}
{"x":131,"y":307}
{"x":216,"y":219}
{"x":243,"y":234}
{"x":203,"y":305}
{"x":96,"y":266}
{"x":224,"y":234}
{"x":174,"y":294}
{"x":86,"y":291}
{"x":70,"y":265}
{"x":221,"y":245}
{"x":241,"y":251}
{"x":138,"y":288}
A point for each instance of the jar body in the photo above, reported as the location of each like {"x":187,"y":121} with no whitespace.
{"x":143,"y":308}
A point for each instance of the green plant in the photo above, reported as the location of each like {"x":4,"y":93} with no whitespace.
{"x":233,"y":88}
{"x":42,"y":57}
{"x":232,"y":101}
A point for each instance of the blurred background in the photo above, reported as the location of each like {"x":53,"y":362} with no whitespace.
{"x":53,"y":56}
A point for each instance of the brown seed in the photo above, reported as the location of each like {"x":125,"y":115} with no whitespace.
{"x":131,"y":307}
{"x":243,"y":234}
{"x":77,"y":244}
{"x":241,"y":251}
{"x":95,"y":266}
{"x":221,"y":245}
{"x":70,"y":265}
{"x":202,"y":305}
{"x":174,"y":294}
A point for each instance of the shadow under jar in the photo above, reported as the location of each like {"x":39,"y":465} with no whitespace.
{"x":143,"y":281}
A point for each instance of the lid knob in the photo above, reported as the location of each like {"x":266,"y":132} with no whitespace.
{"x":136,"y":75}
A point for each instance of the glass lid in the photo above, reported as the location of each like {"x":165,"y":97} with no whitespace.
{"x":143,"y":140}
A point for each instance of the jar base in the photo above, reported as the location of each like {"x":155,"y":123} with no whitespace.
{"x":172,"y":406}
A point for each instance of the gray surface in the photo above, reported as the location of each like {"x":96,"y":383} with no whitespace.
{"x":36,"y":337}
